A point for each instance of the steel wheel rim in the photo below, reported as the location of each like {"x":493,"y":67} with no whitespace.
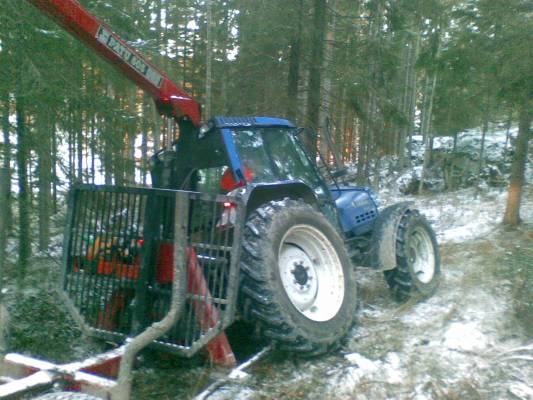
{"x":421,"y":255}
{"x":311,"y":273}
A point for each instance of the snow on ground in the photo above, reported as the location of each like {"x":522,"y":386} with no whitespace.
{"x":463,"y":343}
{"x":464,"y":214}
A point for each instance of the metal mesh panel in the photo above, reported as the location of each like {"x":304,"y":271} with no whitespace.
{"x":119,"y":259}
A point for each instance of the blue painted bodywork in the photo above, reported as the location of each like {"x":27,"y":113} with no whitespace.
{"x":233,"y":156}
{"x":357,"y":208}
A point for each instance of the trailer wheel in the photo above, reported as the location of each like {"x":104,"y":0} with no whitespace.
{"x":297,"y":286}
{"x":67,"y":396}
{"x":417,"y":269}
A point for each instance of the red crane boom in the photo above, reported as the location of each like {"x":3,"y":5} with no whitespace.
{"x":171,"y":100}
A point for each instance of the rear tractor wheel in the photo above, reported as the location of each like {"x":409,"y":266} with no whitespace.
{"x":417,"y":271}
{"x":297,"y":286}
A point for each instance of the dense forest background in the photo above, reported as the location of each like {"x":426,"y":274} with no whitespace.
{"x":372,"y":72}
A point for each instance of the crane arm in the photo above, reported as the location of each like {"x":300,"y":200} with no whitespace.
{"x":170,"y":99}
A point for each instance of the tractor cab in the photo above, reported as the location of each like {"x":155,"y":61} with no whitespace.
{"x":266,"y":160}
{"x":239,"y":152}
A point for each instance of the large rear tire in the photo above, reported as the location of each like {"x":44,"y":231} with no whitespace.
{"x":298,"y":286}
{"x":417,"y":271}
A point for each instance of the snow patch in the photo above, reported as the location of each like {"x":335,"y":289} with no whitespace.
{"x":521,"y":390}
{"x":465,"y":337}
{"x":388,"y":370}
{"x":363,"y":364}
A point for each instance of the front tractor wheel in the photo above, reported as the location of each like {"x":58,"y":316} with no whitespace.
{"x":417,"y":271}
{"x":297,"y":285}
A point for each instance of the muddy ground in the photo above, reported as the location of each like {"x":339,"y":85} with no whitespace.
{"x":473,"y":339}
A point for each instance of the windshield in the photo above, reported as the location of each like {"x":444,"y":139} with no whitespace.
{"x":271,"y":155}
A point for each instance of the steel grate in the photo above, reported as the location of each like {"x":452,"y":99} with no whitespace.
{"x":119,"y":255}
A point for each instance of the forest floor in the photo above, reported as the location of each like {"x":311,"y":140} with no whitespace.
{"x":472,"y":340}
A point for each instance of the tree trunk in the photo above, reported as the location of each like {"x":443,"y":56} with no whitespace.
{"x":55,"y":179}
{"x":24,"y":198}
{"x":6,"y":128}
{"x":78,"y":123}
{"x":44,"y":150}
{"x":315,"y":76}
{"x":361,"y":153}
{"x":92,"y":147}
{"x":157,"y":128}
{"x":294,"y":65}
{"x":484,"y":130}
{"x":514,"y":194}
{"x":325,"y":110}
{"x":209,"y":61}
{"x":4,"y":189}
{"x":426,"y":128}
{"x":107,"y":161}
{"x":409,"y":99}
{"x":144,"y":143}
{"x":508,"y":133}
{"x":412,"y":98}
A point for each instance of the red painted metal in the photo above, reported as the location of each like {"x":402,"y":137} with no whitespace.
{"x":171,"y":100}
{"x":107,"y":368}
{"x":109,"y":316}
{"x":219,"y":349}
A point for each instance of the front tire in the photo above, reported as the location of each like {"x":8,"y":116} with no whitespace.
{"x":417,"y":271}
{"x":297,"y":285}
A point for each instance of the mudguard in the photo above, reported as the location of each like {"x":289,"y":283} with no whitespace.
{"x":382,"y":254}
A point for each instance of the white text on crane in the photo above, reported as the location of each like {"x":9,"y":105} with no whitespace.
{"x":106,"y":37}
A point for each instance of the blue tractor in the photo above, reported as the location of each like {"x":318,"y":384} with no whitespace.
{"x":304,"y":231}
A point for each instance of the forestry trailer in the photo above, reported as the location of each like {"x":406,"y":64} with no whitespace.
{"x":241,"y":222}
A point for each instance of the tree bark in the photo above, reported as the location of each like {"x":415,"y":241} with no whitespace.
{"x":411,"y":108}
{"x":315,"y":73}
{"x":78,"y":123}
{"x":55,"y":179}
{"x":6,"y":128}
{"x":426,"y":124}
{"x":408,"y":100}
{"x":484,"y":131}
{"x":44,"y":150}
{"x":23,"y":197}
{"x":326,"y":142}
{"x":144,"y":143}
{"x":294,"y":65}
{"x":4,"y":178}
{"x":209,"y":61}
{"x":514,"y":194}
{"x":92,"y":147}
{"x":508,"y":133}
{"x":4,"y":189}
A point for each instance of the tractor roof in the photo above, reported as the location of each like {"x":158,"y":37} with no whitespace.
{"x":238,"y":122}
